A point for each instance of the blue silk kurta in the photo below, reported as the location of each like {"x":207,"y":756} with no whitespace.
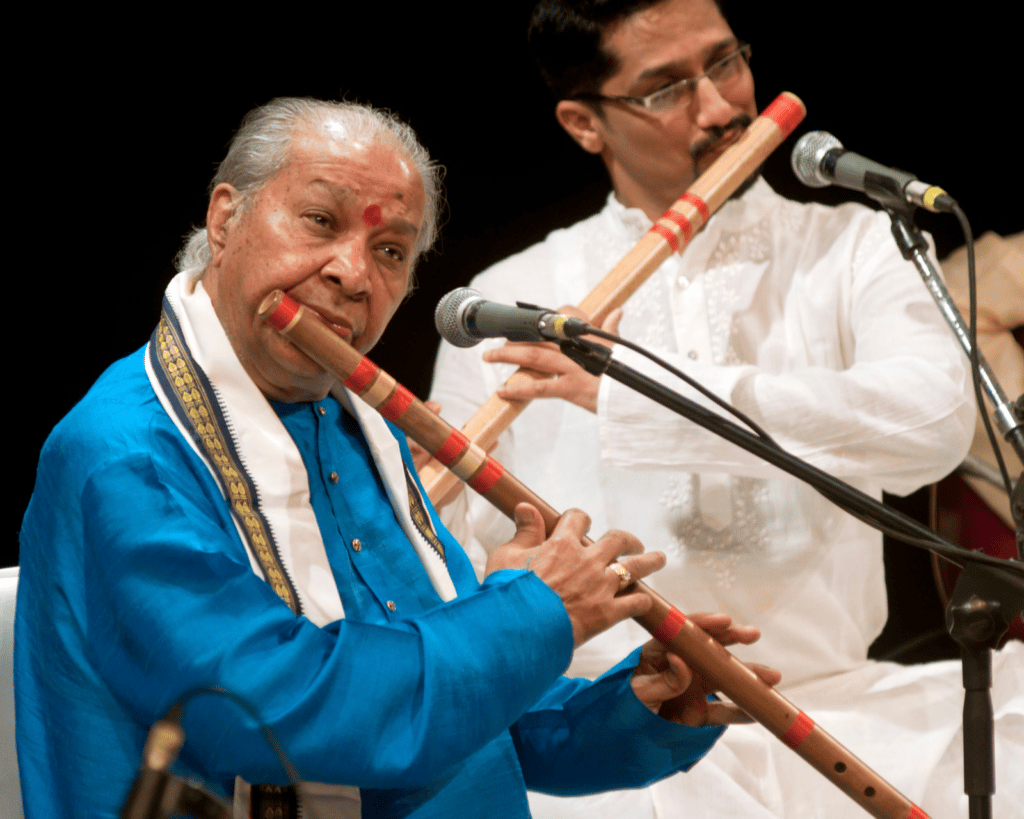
{"x":135,"y":588}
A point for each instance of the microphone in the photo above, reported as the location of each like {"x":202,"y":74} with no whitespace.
{"x":819,"y":159}
{"x":150,"y":789}
{"x":464,"y":318}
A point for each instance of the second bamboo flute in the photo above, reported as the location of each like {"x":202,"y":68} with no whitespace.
{"x":670,"y":234}
{"x":665,"y":622}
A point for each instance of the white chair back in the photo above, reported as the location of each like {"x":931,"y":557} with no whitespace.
{"x":10,"y":787}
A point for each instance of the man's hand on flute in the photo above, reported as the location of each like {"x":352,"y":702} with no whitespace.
{"x":567,"y":379}
{"x":665,"y":684}
{"x":587,"y":578}
{"x":593,"y":582}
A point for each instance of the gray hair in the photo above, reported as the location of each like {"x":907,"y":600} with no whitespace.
{"x":261,"y":147}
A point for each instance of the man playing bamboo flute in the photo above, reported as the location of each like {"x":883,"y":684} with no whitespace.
{"x":217,"y":511}
{"x":808,"y":320}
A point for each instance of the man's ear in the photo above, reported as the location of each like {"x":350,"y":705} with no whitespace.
{"x":220,"y":213}
{"x":582,"y":123}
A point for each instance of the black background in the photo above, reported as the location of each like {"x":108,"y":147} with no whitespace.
{"x":122,"y":122}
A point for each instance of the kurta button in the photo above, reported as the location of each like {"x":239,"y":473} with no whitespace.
{"x":334,"y":477}
{"x":692,"y":354}
{"x":321,"y":410}
{"x":391,"y":605}
{"x":357,"y":544}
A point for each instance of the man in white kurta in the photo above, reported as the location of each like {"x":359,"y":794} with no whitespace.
{"x":807,"y":319}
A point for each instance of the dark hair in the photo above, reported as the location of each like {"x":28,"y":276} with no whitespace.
{"x":565,"y":41}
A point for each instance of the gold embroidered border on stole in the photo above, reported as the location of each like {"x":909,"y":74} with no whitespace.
{"x":190,"y":394}
{"x":421,"y":518}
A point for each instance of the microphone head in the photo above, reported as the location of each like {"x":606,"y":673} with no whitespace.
{"x":808,"y":154}
{"x":448,"y":316}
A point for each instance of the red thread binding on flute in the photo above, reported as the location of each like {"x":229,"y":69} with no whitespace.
{"x":283,"y":313}
{"x":670,"y":626}
{"x":397,"y":404}
{"x":800,"y":730}
{"x":698,"y":203}
{"x":363,"y":374}
{"x":667,"y":234}
{"x":785,"y":112}
{"x":451,"y":448}
{"x":682,"y":221}
{"x":916,"y":813}
{"x":488,"y":475}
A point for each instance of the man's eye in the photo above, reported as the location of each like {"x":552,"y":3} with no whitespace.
{"x":321,"y":220}
{"x":397,"y":254}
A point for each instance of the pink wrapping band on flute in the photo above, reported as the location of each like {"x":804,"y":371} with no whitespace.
{"x":665,"y":622}
{"x":670,"y":234}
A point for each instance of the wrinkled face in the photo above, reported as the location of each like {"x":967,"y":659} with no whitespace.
{"x":654,"y":156}
{"x":336,"y":229}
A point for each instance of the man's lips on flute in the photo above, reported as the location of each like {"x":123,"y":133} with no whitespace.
{"x":340,"y":325}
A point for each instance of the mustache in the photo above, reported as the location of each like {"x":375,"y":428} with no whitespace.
{"x":716,"y":134}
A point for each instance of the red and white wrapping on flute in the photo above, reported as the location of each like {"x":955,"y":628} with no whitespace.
{"x":665,"y":622}
{"x":736,"y":164}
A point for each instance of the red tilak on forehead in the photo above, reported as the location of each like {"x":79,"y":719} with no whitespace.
{"x":372,"y":216}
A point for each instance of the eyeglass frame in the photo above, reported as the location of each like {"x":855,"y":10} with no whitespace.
{"x":744,"y":50}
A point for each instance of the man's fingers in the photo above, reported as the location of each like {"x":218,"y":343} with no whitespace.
{"x":725,"y":713}
{"x":652,"y":689}
{"x":640,"y":566}
{"x":611,"y":324}
{"x":768,"y":675}
{"x":723,"y":629}
{"x":529,"y":527}
{"x":542,"y":358}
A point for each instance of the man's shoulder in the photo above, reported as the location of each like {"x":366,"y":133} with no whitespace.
{"x":117,"y":412}
{"x":537,"y":262}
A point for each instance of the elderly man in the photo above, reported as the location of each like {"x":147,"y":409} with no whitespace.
{"x":217,"y":512}
{"x":804,"y":317}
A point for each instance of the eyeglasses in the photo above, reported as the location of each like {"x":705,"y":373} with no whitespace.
{"x":722,"y":73}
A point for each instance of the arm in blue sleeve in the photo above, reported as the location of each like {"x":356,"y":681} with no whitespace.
{"x":173,"y":604}
{"x":584,"y":737}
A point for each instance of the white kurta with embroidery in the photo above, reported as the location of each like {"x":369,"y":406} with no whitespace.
{"x":807,"y":319}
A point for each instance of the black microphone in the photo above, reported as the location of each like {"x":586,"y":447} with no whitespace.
{"x":819,"y":159}
{"x":464,"y":318}
{"x":150,"y":789}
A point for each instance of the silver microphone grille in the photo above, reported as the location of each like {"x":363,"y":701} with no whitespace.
{"x":807,"y":155}
{"x":448,"y":318}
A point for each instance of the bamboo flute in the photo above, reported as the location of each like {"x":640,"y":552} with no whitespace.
{"x":666,"y":623}
{"x":670,"y":234}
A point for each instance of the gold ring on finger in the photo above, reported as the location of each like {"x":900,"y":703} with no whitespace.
{"x":625,"y":578}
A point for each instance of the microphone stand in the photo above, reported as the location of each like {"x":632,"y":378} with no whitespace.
{"x":988,"y":596}
{"x":975,"y":616}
